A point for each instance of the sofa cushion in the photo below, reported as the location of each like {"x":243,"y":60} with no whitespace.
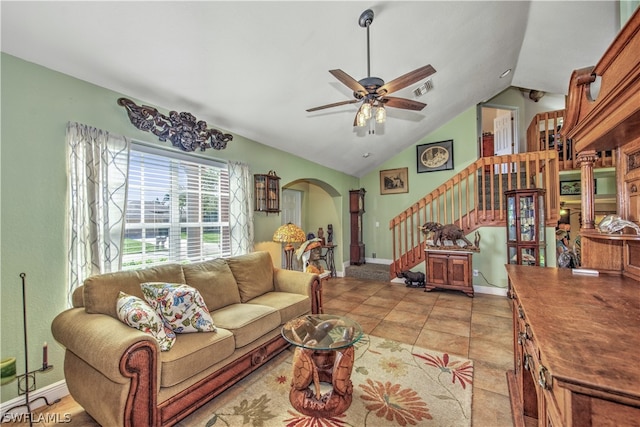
{"x":253,"y":273}
{"x":181,"y":306}
{"x":247,"y":322}
{"x":289,"y":305}
{"x":135,"y":312}
{"x":193,"y":353}
{"x":215,"y":282}
{"x":101,"y":291}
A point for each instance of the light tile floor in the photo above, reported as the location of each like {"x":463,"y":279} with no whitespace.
{"x":478,"y":328}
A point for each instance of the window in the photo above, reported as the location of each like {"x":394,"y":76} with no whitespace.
{"x":177,"y":209}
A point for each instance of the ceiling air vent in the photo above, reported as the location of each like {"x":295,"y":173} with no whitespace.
{"x":422,"y":89}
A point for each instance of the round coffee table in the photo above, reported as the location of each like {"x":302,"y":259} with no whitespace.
{"x":322,"y":363}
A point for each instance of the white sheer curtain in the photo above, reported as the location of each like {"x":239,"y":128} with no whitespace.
{"x":97,"y":169}
{"x":240,"y":208}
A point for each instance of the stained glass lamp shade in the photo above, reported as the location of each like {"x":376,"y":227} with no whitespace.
{"x":289,"y":234}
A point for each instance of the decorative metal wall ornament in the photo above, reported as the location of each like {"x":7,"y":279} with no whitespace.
{"x":182,"y":129}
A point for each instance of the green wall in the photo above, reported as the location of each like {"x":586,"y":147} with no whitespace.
{"x":36,"y":105}
{"x":381,"y":209}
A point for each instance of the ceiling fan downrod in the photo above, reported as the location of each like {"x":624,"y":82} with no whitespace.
{"x":366,"y":18}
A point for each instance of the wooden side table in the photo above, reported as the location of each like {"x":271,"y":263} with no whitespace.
{"x":449,"y":269}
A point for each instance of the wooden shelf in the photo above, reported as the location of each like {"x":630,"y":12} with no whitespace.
{"x":593,"y":234}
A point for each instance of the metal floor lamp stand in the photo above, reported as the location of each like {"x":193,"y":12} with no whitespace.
{"x":27,"y":381}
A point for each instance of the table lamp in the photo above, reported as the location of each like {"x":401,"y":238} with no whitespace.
{"x":288,"y":234}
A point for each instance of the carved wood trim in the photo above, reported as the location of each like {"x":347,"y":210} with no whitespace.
{"x":181,"y":405}
{"x":614,"y":117}
{"x":586,"y":160}
{"x":182,"y":129}
{"x":633,"y":161}
{"x":139,"y":363}
{"x":316,"y":296}
{"x":579,"y":78}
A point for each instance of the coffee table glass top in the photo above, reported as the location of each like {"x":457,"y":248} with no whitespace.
{"x":322,"y":332}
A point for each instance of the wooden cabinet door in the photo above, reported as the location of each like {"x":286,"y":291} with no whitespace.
{"x":459,"y":270}
{"x":437,"y":271}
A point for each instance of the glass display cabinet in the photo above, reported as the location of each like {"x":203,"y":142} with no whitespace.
{"x":526,"y":243}
{"x":267,"y":192}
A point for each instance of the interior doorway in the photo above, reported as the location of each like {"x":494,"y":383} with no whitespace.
{"x":498,"y":127}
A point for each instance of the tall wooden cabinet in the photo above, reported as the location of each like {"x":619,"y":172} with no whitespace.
{"x":356,"y":209}
{"x":526,"y":241}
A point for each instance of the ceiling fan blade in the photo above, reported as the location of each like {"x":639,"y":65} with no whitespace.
{"x":335,"y":104}
{"x":407,"y":104}
{"x":349,"y":81}
{"x":406,"y":80}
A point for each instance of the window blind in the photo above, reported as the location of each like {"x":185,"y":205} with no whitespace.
{"x":177,"y":209}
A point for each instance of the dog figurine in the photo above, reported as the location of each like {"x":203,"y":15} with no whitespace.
{"x":411,"y":277}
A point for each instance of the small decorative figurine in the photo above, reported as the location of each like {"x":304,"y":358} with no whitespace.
{"x":330,"y":234}
{"x":412,"y":277}
{"x":615,"y":224}
{"x":449,"y":232}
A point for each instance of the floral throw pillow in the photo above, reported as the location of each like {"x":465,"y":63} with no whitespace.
{"x":135,"y":312}
{"x":181,"y":306}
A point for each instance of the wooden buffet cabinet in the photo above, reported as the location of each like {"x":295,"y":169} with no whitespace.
{"x":577,"y":337}
{"x":576,"y":342}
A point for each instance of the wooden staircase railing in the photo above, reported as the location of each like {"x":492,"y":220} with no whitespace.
{"x":544,"y":133}
{"x":474,"y":198}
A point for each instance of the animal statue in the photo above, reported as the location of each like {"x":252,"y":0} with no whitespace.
{"x":615,"y":224}
{"x":412,"y":277}
{"x":445,"y":232}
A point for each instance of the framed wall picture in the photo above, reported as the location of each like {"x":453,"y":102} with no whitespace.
{"x":435,"y":156}
{"x":394,"y":181}
{"x":574,"y":188}
{"x":570,"y":188}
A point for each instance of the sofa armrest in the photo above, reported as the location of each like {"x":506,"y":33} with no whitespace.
{"x":122,"y":354}
{"x":100,"y":340}
{"x":299,"y":282}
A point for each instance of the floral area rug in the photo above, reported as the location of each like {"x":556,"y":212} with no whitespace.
{"x":394,"y":384}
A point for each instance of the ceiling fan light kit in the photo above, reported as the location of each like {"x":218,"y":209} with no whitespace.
{"x":373,"y":92}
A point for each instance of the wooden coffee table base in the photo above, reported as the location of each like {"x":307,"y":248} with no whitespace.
{"x":312,"y":367}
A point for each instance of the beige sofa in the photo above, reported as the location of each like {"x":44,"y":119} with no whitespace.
{"x":118,"y":373}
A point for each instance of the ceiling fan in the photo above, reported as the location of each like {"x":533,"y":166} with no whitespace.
{"x":373,"y":91}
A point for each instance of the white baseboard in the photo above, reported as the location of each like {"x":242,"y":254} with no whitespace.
{"x":491,"y":290}
{"x":52,"y":393}
{"x":378,"y":261}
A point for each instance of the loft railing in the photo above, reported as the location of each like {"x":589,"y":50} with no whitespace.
{"x":544,"y":134}
{"x":474,"y":198}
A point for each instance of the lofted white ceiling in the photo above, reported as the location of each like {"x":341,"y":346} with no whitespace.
{"x":253,"y":68}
